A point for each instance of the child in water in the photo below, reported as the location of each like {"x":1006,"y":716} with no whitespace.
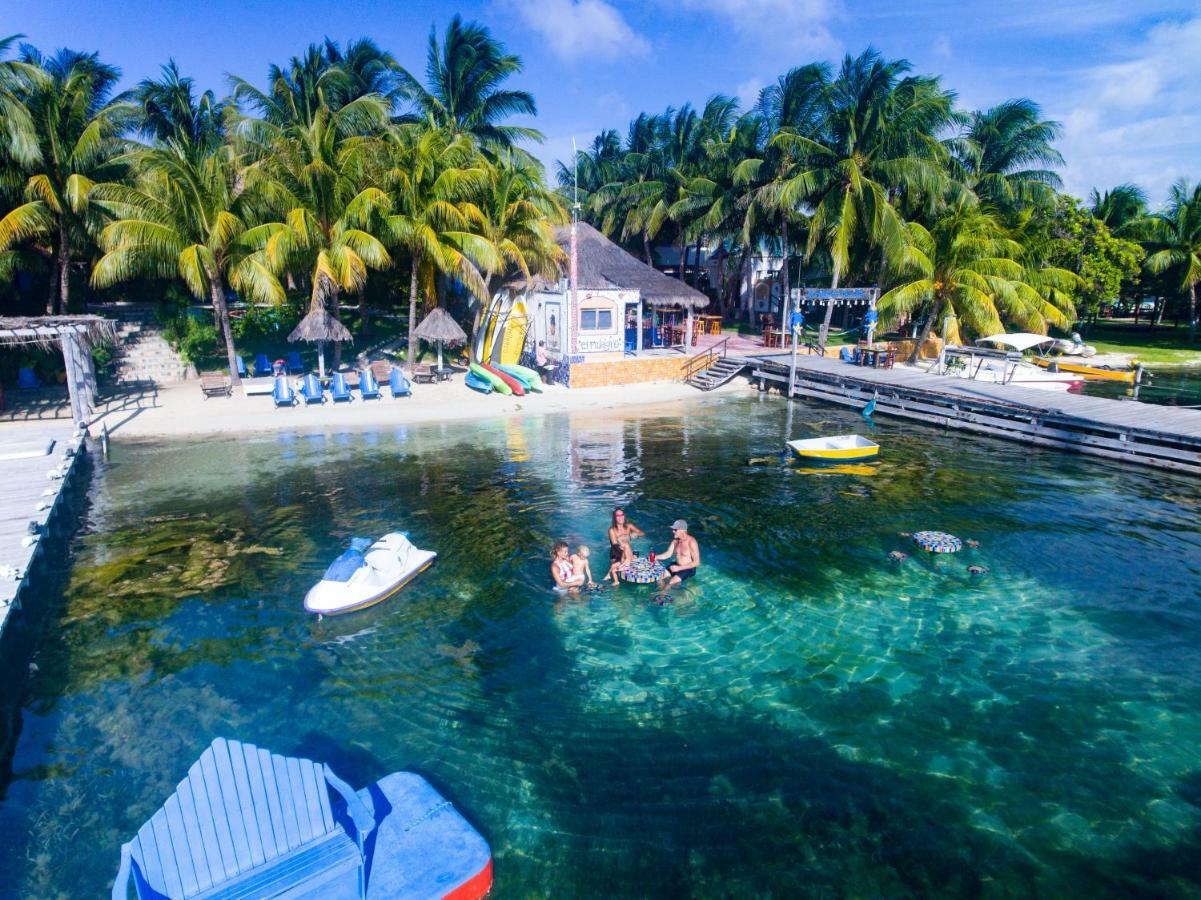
{"x":580,"y":566}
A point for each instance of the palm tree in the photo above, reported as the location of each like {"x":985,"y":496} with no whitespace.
{"x":463,"y":94}
{"x":877,"y":138}
{"x":1005,"y":157}
{"x":323,"y":78}
{"x":1118,"y":207}
{"x":18,"y":138}
{"x":1173,"y":241}
{"x":432,"y":177}
{"x":169,"y":110}
{"x":517,"y":215}
{"x":186,"y":219}
{"x":77,"y":124}
{"x":968,"y":270}
{"x":316,"y":177}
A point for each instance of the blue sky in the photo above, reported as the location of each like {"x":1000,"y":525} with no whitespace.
{"x":1122,"y":76}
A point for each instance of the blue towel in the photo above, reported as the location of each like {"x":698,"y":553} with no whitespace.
{"x":368,"y":386}
{"x":282,"y":394}
{"x":339,"y":390}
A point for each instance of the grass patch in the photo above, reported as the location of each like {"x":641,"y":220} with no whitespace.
{"x":1165,"y":345}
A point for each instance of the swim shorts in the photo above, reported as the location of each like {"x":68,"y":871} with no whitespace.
{"x":685,"y":574}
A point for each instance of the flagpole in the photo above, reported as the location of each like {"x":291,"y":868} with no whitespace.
{"x":575,"y":216}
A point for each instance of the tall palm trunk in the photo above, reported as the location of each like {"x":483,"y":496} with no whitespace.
{"x":825,"y":329}
{"x":51,"y":285}
{"x":786,"y":281}
{"x":1192,"y":311}
{"x":335,"y":303}
{"x":745,"y":280}
{"x":411,"y":353}
{"x":646,"y":248}
{"x":721,"y":277}
{"x":64,"y":268}
{"x":683,"y":256}
{"x":221,"y":312}
{"x":924,"y":332}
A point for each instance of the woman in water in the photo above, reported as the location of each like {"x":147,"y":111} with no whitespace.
{"x":620,"y":551}
{"x":561,"y":569}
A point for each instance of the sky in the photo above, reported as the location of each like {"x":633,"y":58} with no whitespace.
{"x":1121,"y":76}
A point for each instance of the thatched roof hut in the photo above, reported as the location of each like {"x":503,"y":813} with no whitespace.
{"x":46,"y":331}
{"x":602,"y":265}
{"x":319,"y":325}
{"x":440,"y":325}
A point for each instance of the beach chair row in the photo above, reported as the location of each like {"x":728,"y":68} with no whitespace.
{"x":311,"y":391}
{"x":264,"y":367}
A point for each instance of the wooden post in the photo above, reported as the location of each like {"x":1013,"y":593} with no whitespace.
{"x":70,"y":347}
{"x":688,"y":334}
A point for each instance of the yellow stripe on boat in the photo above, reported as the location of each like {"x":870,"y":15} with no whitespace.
{"x":836,"y":448}
{"x":1091,"y":373}
{"x":380,"y":598}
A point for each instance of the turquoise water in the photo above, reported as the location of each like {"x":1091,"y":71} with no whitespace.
{"x":807,"y":719}
{"x":1179,"y":386}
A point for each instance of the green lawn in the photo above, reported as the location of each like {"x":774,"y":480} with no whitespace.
{"x":1161,"y":346}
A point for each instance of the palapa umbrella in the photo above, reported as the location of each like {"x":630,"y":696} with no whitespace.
{"x":439,"y":326}
{"x":320,"y":326}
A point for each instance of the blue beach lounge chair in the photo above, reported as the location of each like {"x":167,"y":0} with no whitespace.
{"x":27,"y":380}
{"x":399,"y":384}
{"x":241,"y":367}
{"x":368,"y":386}
{"x":246,"y":822}
{"x":846,"y":355}
{"x":311,"y":390}
{"x":282,"y":394}
{"x":295,"y":364}
{"x":262,"y":365}
{"x":339,"y":389}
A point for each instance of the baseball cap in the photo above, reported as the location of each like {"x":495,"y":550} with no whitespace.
{"x":679,"y":525}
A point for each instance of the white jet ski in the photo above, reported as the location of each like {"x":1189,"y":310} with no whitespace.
{"x":366,"y":574}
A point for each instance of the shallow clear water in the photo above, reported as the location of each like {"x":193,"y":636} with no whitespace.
{"x":1179,"y":386}
{"x":807,"y":719}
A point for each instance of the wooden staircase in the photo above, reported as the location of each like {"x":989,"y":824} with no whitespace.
{"x":714,"y":367}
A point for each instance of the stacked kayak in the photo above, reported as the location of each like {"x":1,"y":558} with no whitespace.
{"x":530,"y":379}
{"x":500,"y":385}
{"x":478,"y":383}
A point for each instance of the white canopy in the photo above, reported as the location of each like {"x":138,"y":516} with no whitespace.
{"x":1021,"y":341}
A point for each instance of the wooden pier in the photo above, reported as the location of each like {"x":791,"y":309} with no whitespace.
{"x":1153,"y":435}
{"x":38,"y":464}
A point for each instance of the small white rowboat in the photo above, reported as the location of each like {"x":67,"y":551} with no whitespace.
{"x":366,"y":574}
{"x":837,"y":448}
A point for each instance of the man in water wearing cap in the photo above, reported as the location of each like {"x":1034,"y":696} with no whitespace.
{"x":687,"y":553}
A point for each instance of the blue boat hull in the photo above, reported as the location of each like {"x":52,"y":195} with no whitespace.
{"x":476,"y":383}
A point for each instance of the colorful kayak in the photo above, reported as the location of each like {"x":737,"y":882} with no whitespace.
{"x":515,"y":386}
{"x":478,"y":383}
{"x":498,"y":384}
{"x":529,"y":379}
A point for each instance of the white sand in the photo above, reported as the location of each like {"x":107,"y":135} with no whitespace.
{"x":182,"y":410}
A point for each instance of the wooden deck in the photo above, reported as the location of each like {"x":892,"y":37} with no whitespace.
{"x":1148,"y":434}
{"x":27,"y":454}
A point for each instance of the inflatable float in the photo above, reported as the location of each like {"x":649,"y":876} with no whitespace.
{"x":367,"y":573}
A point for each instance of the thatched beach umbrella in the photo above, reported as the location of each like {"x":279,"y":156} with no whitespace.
{"x":320,"y":326}
{"x":441,"y":327}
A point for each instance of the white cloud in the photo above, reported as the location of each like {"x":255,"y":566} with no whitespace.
{"x":1136,"y":118}
{"x":774,"y":26}
{"x":748,"y":92}
{"x":581,"y":30}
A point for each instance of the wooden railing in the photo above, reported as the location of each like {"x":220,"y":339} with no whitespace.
{"x":705,"y":359}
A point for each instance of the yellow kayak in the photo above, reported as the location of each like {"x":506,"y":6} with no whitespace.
{"x":1094,"y":373}
{"x":837,"y":448}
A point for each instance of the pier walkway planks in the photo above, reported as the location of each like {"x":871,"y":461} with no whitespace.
{"x":27,"y":454}
{"x":1148,"y":434}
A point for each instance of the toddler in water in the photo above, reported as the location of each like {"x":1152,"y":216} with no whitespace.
{"x":581,"y":567}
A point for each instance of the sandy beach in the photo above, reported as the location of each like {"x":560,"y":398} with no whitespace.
{"x":178,"y":410}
